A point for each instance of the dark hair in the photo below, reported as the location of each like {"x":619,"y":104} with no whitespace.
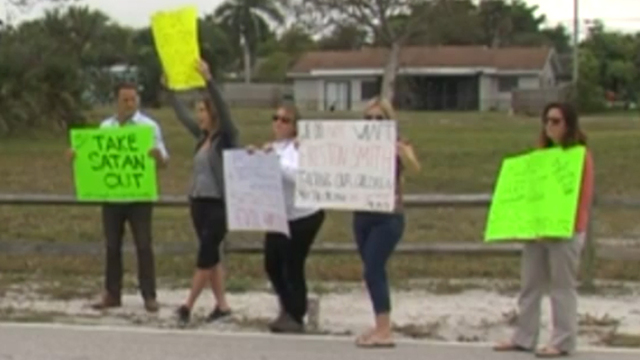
{"x":124,"y":86}
{"x":206,"y":99}
{"x":573,"y":136}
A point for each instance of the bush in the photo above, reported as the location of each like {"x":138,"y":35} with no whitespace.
{"x":40,"y":84}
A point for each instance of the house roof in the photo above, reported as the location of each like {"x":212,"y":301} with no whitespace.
{"x":506,"y":59}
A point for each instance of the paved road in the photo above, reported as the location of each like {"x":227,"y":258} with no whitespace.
{"x":59,"y":342}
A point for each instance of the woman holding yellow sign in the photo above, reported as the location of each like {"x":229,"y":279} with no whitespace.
{"x":215,"y":132}
{"x":551,"y":264}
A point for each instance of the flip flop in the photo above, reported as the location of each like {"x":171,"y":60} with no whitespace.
{"x":550,"y":352}
{"x":372,"y":343}
{"x":510,"y":347}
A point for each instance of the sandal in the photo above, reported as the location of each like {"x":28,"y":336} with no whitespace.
{"x":551,"y":352}
{"x":365,"y":335}
{"x":371,"y":341}
{"x":510,"y":347}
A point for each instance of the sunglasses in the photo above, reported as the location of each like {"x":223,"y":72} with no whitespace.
{"x":553,"y":121}
{"x":283,"y":119}
{"x":374,"y":117}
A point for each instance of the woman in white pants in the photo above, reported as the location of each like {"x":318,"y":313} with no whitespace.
{"x":551,"y":265}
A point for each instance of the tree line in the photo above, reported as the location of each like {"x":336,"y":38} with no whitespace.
{"x":54,"y":67}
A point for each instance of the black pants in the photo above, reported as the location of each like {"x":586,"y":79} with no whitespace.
{"x":285,"y":262}
{"x":210,"y":223}
{"x":138,"y":215}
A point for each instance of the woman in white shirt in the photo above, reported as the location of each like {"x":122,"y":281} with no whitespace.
{"x":285,"y":257}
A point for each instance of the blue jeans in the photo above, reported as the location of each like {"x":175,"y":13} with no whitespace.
{"x":377,"y":235}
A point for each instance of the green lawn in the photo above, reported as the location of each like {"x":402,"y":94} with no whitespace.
{"x":461,"y":153}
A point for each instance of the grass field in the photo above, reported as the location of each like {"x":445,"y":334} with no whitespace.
{"x":461,"y":153}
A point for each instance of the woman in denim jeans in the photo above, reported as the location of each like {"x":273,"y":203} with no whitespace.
{"x":377,"y":235}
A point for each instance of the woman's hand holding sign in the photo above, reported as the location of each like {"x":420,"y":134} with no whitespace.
{"x":251,"y":149}
{"x":268,"y":147}
{"x":405,"y":150}
{"x":204,"y":70}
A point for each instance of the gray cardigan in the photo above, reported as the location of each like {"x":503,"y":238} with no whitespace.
{"x":225,"y":137}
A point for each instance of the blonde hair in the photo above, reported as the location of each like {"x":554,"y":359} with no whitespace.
{"x":382,"y":104}
{"x":293,"y":111}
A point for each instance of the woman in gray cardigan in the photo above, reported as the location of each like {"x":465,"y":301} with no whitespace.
{"x":214,"y":132}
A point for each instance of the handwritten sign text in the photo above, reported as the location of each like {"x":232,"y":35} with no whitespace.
{"x":253,"y":191}
{"x":536,"y":196}
{"x":347,"y":165}
{"x":114,"y":164}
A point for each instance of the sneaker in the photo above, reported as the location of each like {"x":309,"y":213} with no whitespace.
{"x":218,"y":314}
{"x":151,"y":305}
{"x":286,"y":324}
{"x":184,"y":315}
{"x":277,"y":320}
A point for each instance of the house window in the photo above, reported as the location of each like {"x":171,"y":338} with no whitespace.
{"x":507,"y":83}
{"x":369,"y":89}
{"x":337,"y":95}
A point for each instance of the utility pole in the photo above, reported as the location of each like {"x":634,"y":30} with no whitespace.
{"x":576,"y":43}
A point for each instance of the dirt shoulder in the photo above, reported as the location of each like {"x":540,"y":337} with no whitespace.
{"x":460,"y":311}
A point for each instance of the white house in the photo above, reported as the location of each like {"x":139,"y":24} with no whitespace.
{"x":429,"y":78}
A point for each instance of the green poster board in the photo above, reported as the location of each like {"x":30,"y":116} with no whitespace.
{"x":536,"y":196}
{"x":113,"y":164}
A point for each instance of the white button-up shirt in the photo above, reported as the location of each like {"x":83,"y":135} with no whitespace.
{"x":140,"y":119}
{"x":288,"y":155}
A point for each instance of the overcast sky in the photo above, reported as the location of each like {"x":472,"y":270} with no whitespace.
{"x":617,"y":14}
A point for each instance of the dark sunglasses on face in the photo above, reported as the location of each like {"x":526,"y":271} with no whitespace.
{"x":374,"y":117}
{"x":553,"y":121}
{"x":283,"y":119}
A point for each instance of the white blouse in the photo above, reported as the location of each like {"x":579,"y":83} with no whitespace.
{"x":288,"y":155}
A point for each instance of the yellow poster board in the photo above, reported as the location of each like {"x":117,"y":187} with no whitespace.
{"x":176,"y":39}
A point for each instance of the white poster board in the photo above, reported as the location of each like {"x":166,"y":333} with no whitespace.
{"x":253,"y":191}
{"x":347,"y":165}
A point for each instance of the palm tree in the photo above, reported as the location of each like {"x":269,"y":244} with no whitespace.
{"x":247,"y":21}
{"x":87,"y":35}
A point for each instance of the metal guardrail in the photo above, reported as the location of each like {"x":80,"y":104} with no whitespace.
{"x":410,"y":201}
{"x":417,"y":200}
{"x":95,"y":248}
